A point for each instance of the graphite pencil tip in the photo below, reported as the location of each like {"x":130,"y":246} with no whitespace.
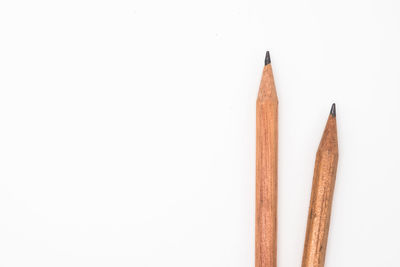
{"x":267,"y":58}
{"x":333,"y":110}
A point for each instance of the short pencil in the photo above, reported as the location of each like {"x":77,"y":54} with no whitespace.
{"x":321,"y":196}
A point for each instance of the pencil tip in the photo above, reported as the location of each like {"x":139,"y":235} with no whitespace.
{"x":333,"y":110}
{"x":267,"y":59}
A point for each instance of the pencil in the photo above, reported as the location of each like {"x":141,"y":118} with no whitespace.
{"x":266,"y":169}
{"x":321,"y":196}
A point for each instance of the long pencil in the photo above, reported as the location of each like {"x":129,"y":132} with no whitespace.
{"x":321,"y":196}
{"x":266,"y":169}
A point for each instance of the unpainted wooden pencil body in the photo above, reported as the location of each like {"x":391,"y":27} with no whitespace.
{"x":321,"y":197}
{"x":266,"y":171}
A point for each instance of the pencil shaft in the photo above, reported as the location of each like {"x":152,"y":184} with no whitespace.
{"x":266,"y":171}
{"x":321,"y":197}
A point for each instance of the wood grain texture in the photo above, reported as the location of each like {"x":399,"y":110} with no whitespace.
{"x":321,"y":197}
{"x":266,"y":171}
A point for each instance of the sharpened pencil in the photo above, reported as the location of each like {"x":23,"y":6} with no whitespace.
{"x":266,"y":169}
{"x":321,"y":195}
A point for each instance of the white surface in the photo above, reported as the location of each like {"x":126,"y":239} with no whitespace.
{"x":127,"y":129}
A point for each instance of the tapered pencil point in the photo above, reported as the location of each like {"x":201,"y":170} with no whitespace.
{"x":267,"y":58}
{"x":333,"y":110}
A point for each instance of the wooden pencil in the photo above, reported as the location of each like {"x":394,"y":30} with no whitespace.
{"x":321,"y":196}
{"x":266,"y":169}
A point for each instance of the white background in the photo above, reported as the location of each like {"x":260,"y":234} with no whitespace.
{"x":127,"y":129}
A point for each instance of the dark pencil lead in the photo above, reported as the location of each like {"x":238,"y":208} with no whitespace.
{"x":267,"y":59}
{"x":333,"y":110}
